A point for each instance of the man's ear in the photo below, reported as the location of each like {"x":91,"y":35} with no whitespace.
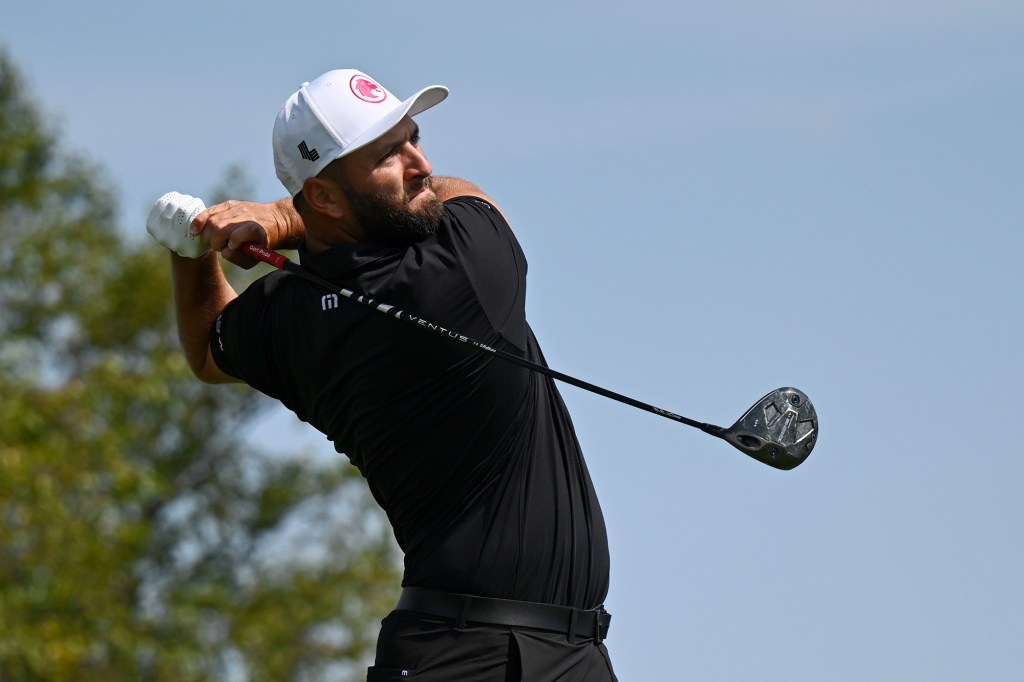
{"x":325,"y":197}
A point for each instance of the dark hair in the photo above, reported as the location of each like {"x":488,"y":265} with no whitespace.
{"x":301,"y":207}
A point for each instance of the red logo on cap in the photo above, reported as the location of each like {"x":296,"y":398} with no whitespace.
{"x":366,"y":90}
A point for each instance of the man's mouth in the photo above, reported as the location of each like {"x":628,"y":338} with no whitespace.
{"x":418,"y":190}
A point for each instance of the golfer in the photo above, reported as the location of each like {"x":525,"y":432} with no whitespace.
{"x":474,"y":460}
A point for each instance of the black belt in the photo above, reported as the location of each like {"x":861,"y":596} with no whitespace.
{"x":465,"y":608}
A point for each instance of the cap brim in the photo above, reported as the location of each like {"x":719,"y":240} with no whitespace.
{"x":418,"y":103}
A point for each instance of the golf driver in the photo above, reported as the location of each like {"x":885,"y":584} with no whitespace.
{"x":779,"y":430}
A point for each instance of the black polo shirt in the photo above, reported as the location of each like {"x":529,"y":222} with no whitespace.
{"x":473,"y":459}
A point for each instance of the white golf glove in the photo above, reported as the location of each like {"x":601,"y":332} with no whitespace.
{"x":169,"y":220}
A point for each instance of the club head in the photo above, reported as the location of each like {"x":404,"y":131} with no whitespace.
{"x":779,"y":430}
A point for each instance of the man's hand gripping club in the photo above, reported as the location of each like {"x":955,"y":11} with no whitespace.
{"x":185,"y":226}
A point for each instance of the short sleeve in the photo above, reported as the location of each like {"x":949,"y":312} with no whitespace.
{"x":241,"y":341}
{"x":490,"y":255}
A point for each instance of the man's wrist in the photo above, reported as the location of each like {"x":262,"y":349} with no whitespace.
{"x":183,"y":263}
{"x":291,"y":231}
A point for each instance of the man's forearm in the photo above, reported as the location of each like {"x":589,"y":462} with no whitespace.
{"x":200,"y":293}
{"x":446,"y":187}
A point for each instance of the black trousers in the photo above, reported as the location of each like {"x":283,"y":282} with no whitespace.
{"x":417,"y":648}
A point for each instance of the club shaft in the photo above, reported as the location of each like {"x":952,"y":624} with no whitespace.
{"x":278,"y":261}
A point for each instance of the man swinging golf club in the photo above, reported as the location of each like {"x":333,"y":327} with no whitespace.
{"x":474,"y":460}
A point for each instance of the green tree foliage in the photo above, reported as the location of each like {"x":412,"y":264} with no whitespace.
{"x":142,"y":537}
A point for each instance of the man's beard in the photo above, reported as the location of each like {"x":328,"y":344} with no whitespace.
{"x":389,"y":220}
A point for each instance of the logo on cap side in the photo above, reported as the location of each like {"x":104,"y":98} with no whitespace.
{"x":366,"y":90}
{"x":307,"y":153}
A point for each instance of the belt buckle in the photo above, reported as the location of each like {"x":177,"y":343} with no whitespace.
{"x":599,"y":615}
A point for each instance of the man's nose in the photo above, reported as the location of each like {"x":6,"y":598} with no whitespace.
{"x":417,"y":163}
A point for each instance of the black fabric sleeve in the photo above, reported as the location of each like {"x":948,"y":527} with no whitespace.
{"x":241,"y":341}
{"x":492,"y":259}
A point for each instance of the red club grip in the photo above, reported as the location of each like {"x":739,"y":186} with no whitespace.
{"x":265,"y":254}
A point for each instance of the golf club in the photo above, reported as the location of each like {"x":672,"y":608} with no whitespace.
{"x":779,"y":430}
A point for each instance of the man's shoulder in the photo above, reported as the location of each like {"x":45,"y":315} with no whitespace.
{"x":473,"y":218}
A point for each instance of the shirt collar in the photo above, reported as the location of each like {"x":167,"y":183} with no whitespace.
{"x":348,"y":259}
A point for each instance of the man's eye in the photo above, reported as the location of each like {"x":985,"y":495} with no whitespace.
{"x":414,"y":141}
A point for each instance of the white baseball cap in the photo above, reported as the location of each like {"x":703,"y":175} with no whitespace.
{"x":335,"y":115}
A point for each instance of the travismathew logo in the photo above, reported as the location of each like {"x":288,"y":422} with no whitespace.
{"x":307,"y":153}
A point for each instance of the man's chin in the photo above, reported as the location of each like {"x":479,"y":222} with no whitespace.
{"x":394,"y":220}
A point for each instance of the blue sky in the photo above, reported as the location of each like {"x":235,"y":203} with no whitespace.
{"x":716,"y":199}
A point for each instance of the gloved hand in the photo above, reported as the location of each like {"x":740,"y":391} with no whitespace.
{"x":169,"y":222}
